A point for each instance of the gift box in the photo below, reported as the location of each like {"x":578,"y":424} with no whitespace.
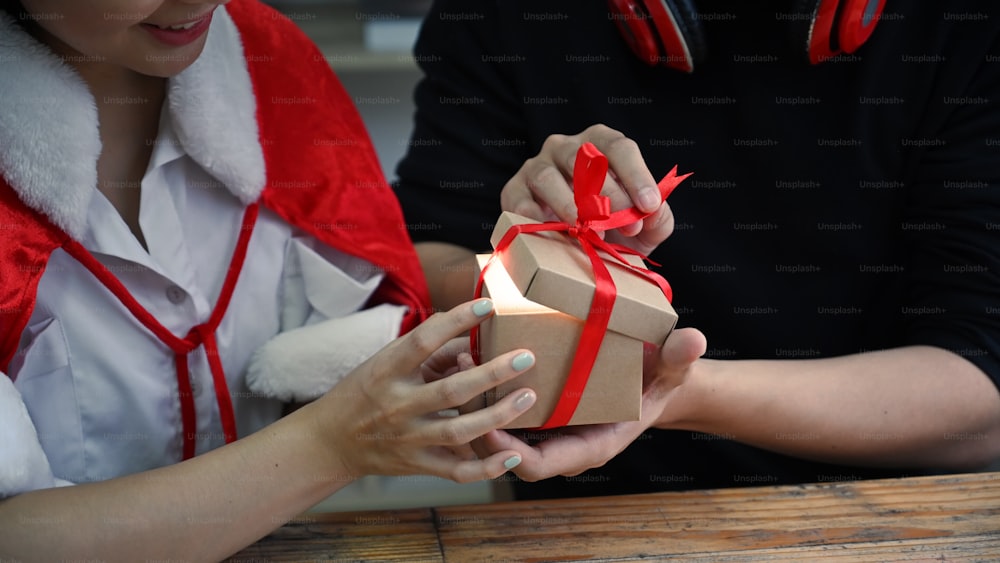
{"x":542,"y":285}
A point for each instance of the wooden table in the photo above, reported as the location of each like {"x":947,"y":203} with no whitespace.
{"x":947,"y":518}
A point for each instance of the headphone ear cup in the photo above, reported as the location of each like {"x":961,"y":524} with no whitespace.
{"x":812,"y":29}
{"x":858,"y":22}
{"x":821,"y":29}
{"x":634,"y":24}
{"x":679,"y":32}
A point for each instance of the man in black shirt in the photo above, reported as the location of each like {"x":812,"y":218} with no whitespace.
{"x":838,"y":244}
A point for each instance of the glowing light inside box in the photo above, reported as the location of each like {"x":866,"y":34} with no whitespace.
{"x":505,"y":295}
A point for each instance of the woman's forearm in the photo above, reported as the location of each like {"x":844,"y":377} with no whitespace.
{"x":381,"y":419}
{"x":914,"y":406}
{"x":203,"y":509}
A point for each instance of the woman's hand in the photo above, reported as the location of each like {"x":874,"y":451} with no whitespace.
{"x":395,"y":414}
{"x":574,"y":449}
{"x":542,"y":188}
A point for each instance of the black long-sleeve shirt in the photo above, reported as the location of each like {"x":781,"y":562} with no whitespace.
{"x":834,"y":209}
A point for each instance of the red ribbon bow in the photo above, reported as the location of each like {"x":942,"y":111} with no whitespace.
{"x":593,"y":217}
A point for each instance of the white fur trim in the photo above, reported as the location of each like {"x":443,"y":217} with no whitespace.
{"x":23,"y":465}
{"x":214,"y":110}
{"x":304,"y":363}
{"x":49,"y":142}
{"x":49,"y":126}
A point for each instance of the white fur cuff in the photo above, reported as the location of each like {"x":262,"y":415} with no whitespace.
{"x":302,"y":364}
{"x":23,"y":465}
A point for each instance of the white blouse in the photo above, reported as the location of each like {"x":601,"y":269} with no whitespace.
{"x":101,"y":390}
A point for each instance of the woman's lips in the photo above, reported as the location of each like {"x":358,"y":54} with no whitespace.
{"x":180,"y":34}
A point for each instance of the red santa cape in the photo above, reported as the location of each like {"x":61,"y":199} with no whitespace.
{"x":316,"y":145}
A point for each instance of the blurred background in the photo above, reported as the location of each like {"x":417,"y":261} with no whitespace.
{"x":368,"y":43}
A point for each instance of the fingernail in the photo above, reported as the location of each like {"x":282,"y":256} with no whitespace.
{"x":525,"y":401}
{"x":523,"y":361}
{"x":482,"y":308}
{"x":649,"y":199}
{"x":512,"y":462}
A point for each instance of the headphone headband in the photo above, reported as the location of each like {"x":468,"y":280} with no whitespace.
{"x":669,"y":32}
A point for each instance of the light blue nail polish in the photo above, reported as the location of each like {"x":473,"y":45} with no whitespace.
{"x":525,"y":401}
{"x":482,"y":308}
{"x":512,"y":462}
{"x":523,"y":361}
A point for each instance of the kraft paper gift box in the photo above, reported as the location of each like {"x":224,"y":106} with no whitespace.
{"x":542,"y":286}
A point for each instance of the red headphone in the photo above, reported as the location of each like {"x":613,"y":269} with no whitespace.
{"x":669,"y":32}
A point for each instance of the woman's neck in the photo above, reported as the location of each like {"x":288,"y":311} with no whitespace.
{"x":128,"y":111}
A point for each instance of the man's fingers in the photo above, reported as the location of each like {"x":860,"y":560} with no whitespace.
{"x":446,"y":360}
{"x":564,"y":452}
{"x":625,"y":160}
{"x":620,"y":199}
{"x":552,"y":188}
{"x":683,"y":347}
{"x":516,"y":197}
{"x":644,"y":236}
{"x":543,"y":186}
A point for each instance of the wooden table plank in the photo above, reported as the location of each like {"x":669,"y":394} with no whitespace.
{"x":391,"y":535}
{"x":877,"y":516}
{"x":968,"y":549}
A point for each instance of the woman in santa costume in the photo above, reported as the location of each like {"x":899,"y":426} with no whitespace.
{"x":194,"y":233}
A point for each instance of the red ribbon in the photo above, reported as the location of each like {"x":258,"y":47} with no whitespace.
{"x":593,"y":217}
{"x":199,"y":335}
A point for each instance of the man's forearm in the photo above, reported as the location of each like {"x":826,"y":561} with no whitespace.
{"x":450,"y":271}
{"x":914,"y":406}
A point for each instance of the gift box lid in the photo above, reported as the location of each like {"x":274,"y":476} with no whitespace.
{"x":550,"y":268}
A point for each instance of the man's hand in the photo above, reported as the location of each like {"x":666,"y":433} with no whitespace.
{"x":542,"y":188}
{"x":574,"y":449}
